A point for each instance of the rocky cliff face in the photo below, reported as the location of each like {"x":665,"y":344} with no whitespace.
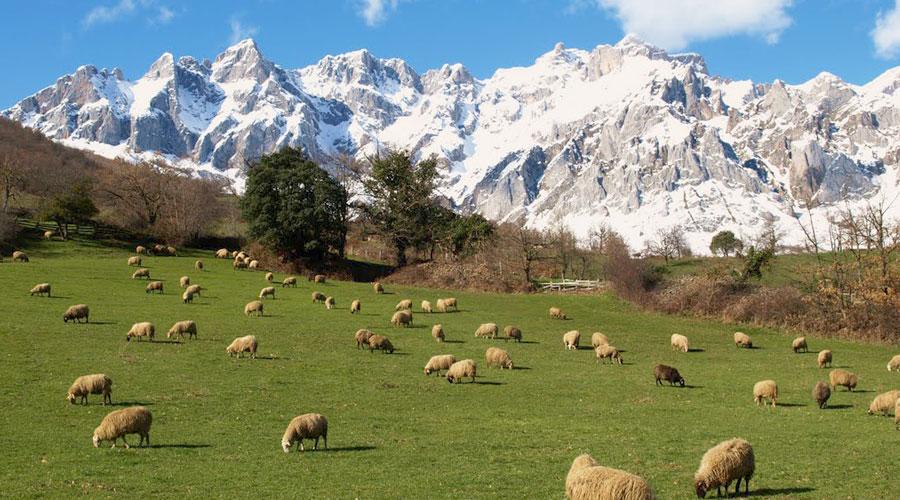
{"x":625,"y":135}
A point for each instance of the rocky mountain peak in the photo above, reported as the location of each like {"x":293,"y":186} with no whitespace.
{"x":242,"y":60}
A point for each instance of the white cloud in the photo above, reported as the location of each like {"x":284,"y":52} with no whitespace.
{"x":673,"y":24}
{"x":165,"y":15}
{"x":103,"y":14}
{"x":886,"y":34}
{"x":240,"y":32}
{"x":374,"y":12}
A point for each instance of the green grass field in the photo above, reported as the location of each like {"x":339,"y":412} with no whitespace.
{"x":393,"y":431}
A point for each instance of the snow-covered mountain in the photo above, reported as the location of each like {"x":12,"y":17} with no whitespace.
{"x":625,"y":135}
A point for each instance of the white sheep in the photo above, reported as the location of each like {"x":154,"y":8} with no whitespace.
{"x":894,"y":364}
{"x":438,"y":363}
{"x":726,"y":462}
{"x":306,"y":426}
{"x":222,"y":253}
{"x":799,"y":344}
{"x":571,"y":340}
{"x":76,"y":313}
{"x":680,"y":343}
{"x":362,"y":337}
{"x":19,"y":256}
{"x":135,"y":261}
{"x":198,"y":265}
{"x":884,"y":402}
{"x":462,"y":369}
{"x":741,"y":339}
{"x":154,"y":286}
{"x":378,"y":287}
{"x":241,"y":345}
{"x":268,"y":291}
{"x":824,"y":358}
{"x":141,"y":273}
{"x":41,"y":289}
{"x":402,"y":318}
{"x":587,"y":480}
{"x":142,"y":329}
{"x":497,"y":357}
{"x":329,"y":303}
{"x":437,"y":332}
{"x":97,"y":383}
{"x":354,"y":306}
{"x":598,"y":339}
{"x":403,"y":304}
{"x":765,"y":389}
{"x":181,"y":328}
{"x":487,"y":330}
{"x":254,"y":306}
{"x":187,"y":297}
{"x":608,"y":352}
{"x":289,"y":281}
{"x":184,"y":282}
{"x":115,"y":425}
{"x":426,"y":306}
{"x":270,"y":277}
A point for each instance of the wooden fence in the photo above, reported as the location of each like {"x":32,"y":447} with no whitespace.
{"x":572,"y":285}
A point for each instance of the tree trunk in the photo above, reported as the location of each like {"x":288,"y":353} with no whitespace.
{"x":400,"y":257}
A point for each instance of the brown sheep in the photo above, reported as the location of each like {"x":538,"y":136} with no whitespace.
{"x":821,"y":392}
{"x":669,"y":374}
{"x":799,"y":344}
{"x":844,"y":378}
{"x":556,"y":313}
{"x":512,"y":332}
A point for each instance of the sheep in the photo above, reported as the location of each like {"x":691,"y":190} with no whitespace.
{"x":608,"y":352}
{"x":438,"y":363}
{"x":142,"y":329}
{"x":765,"y":389}
{"x":571,"y":340}
{"x":270,"y":277}
{"x":462,"y":369}
{"x":450,"y":303}
{"x":289,"y":281}
{"x":154,"y":286}
{"x":440,"y":306}
{"x":378,"y":287}
{"x":598,"y":339}
{"x":253,"y":264}
{"x":135,"y":261}
{"x":140,"y":250}
{"x":884,"y":402}
{"x":306,"y":426}
{"x":171,"y":251}
{"x":844,"y":378}
{"x":318,"y":297}
{"x":799,"y":344}
{"x":437,"y":332}
{"x":329,"y":303}
{"x":587,"y":480}
{"x":183,"y":327}
{"x":239,"y":255}
{"x":680,"y":343}
{"x":49,"y":234}
{"x":402,"y":318}
{"x":727,"y":461}
{"x":894,"y":364}
{"x":362,"y":337}
{"x":319,"y":278}
{"x":426,"y":306}
{"x":97,"y":383}
{"x":184,"y":281}
{"x":117,"y":424}
{"x":268,"y":291}
{"x":141,"y":273}
{"x":667,"y":373}
{"x":222,"y":253}
{"x":159,"y":249}
{"x":187,"y":297}
{"x":487,"y":330}
{"x":77,"y":312}
{"x":557,"y":313}
{"x":241,"y":345}
{"x":40,"y":289}
{"x":380,"y":342}
{"x":19,"y":256}
{"x":821,"y":392}
{"x":194,"y":289}
{"x":824,"y":358}
{"x":512,"y":332}
{"x":239,"y":264}
{"x":254,"y":306}
{"x":199,"y":265}
{"x":354,"y":306}
{"x":403,"y":304}
{"x":497,"y":357}
{"x":741,"y":339}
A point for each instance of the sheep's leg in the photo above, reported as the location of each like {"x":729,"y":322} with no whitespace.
{"x":316,"y":446}
{"x":325,"y":439}
{"x":301,"y":444}
{"x":747,"y":486}
{"x":126,"y":442}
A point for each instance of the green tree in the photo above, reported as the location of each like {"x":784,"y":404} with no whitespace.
{"x":754,"y":262}
{"x":74,"y":207}
{"x":466,"y":233}
{"x":725,"y":243}
{"x":294,"y":207}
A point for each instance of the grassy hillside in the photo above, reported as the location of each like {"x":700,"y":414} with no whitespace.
{"x":393,"y":431}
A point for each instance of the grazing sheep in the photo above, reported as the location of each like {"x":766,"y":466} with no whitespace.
{"x":821,"y":392}
{"x":142,"y":329}
{"x":183,"y":327}
{"x":402,"y":318}
{"x":140,"y":250}
{"x":319,"y":278}
{"x":159,"y":249}
{"x":19,"y":256}
{"x":362,"y":337}
{"x":354,"y":306}
{"x":587,"y":480}
{"x":40,"y":289}
{"x":556,"y":313}
{"x":97,"y":383}
{"x":680,"y":343}
{"x":184,"y":281}
{"x":119,"y":423}
{"x":726,"y":462}
{"x":450,"y":303}
{"x":608,"y":352}
{"x":194,"y":289}
{"x":135,"y":260}
{"x":512,"y":332}
{"x":598,"y":339}
{"x":222,"y":253}
{"x":49,"y":234}
{"x":254,"y":264}
{"x":306,"y":426}
{"x":438,"y":363}
{"x":497,"y":357}
{"x":403,"y":304}
{"x":437,"y":333}
{"x":318,"y":297}
{"x":187,"y":297}
{"x":268,"y":291}
{"x":378,"y":287}
{"x":799,"y":344}
{"x":242,"y":256}
{"x":440,"y":306}
{"x":171,"y":251}
{"x":741,"y":339}
{"x":239,"y":264}
{"x":765,"y":389}
{"x":154,"y":286}
{"x":487,"y":330}
{"x":426,"y":306}
{"x":329,"y":303}
{"x":571,"y":340}
{"x":667,"y":373}
{"x":842,"y":377}
{"x":380,"y":342}
{"x":241,"y":345}
{"x":462,"y":369}
{"x":253,"y":306}
{"x":289,"y":281}
{"x":77,"y":312}
{"x":884,"y":402}
{"x":141,"y":273}
{"x":824,"y":358}
{"x":894,"y":364}
{"x":199,"y":265}
{"x":270,"y":277}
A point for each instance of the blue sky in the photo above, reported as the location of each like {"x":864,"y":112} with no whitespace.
{"x":758,"y":39}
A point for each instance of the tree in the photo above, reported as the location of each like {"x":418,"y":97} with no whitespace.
{"x":754,"y":262}
{"x":669,"y":243}
{"x":725,"y":242}
{"x":467,"y":233}
{"x":401,"y":205}
{"x":74,"y":207}
{"x":12,"y":179}
{"x":293,"y":206}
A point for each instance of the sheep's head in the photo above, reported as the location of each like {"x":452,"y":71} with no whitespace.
{"x":127,"y":338}
{"x":509,"y":365}
{"x":96,"y":440}
{"x":680,"y":381}
{"x":701,"y":488}
{"x":65,"y":318}
{"x":450,"y":378}
{"x":286,"y":446}
{"x":428,"y":371}
{"x":70,"y":398}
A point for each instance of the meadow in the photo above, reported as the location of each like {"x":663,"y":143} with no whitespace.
{"x":394,"y":432}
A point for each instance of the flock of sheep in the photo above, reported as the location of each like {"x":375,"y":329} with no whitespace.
{"x":727,"y":462}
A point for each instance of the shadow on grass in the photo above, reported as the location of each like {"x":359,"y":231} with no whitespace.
{"x":693,"y":349}
{"x":273,"y":358}
{"x":837,"y":407}
{"x":183,"y":446}
{"x":487,"y":382}
{"x":103,"y":323}
{"x":164,"y":341}
{"x":349,"y":448}
{"x":454,"y":342}
{"x":774,"y":492}
{"x":528,"y":342}
{"x":58,"y":297}
{"x":858,"y":391}
{"x":791,"y":405}
{"x":521,"y":368}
